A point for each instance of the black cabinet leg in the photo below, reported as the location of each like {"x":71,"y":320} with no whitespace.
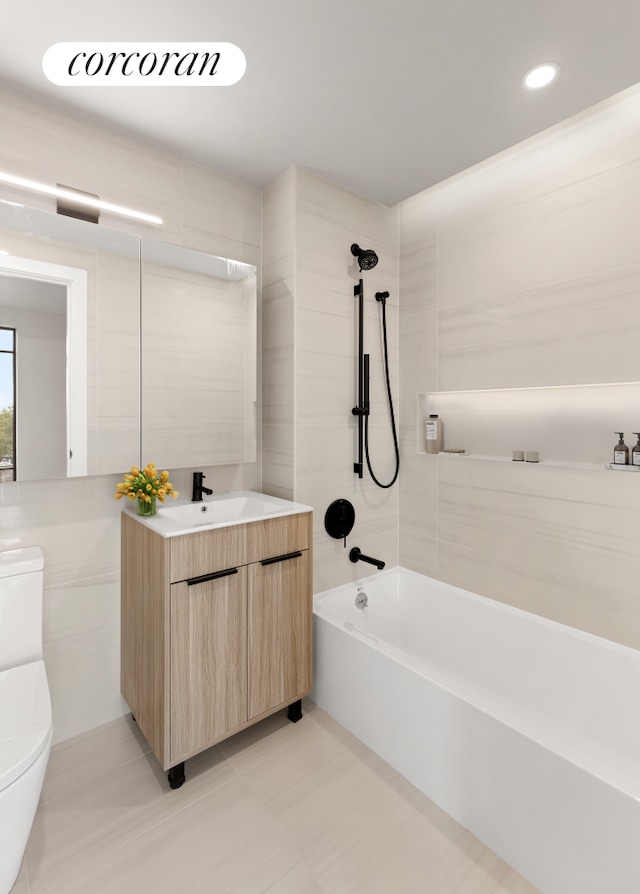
{"x":294,"y":712}
{"x":176,"y":775}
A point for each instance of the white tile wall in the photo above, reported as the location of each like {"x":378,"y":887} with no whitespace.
{"x":328,"y":220}
{"x":310,"y":350}
{"x":278,"y":321}
{"x":523,"y":272}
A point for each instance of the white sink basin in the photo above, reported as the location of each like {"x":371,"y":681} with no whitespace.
{"x":176,"y":518}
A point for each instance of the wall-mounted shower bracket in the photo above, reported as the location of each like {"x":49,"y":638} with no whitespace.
{"x":362,"y":408}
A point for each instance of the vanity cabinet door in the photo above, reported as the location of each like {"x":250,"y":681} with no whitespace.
{"x":279,"y":631}
{"x":208,"y":660}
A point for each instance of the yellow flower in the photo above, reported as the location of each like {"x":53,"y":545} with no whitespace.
{"x":145,"y":484}
{"x":174,"y":494}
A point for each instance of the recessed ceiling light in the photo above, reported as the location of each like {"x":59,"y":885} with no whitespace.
{"x":541,"y":75}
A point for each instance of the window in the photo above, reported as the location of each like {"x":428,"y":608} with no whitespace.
{"x":7,"y":404}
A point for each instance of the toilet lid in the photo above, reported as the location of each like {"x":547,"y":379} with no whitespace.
{"x":25,"y":719}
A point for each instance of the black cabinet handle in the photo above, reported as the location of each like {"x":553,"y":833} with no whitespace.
{"x":284,"y":558}
{"x":213,"y":576}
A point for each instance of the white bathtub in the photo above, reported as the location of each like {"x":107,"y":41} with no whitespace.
{"x":525,"y":731}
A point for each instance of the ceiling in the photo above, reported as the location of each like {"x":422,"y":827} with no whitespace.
{"x":385,"y":97}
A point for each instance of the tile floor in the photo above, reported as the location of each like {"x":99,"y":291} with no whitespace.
{"x":279,"y":808}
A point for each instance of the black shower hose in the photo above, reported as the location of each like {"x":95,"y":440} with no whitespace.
{"x":393,"y":419}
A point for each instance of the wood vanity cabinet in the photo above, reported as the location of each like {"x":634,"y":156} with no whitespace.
{"x":216,"y":629}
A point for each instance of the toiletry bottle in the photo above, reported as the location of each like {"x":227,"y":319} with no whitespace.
{"x":635,"y":453}
{"x":433,"y":434}
{"x":621,"y":451}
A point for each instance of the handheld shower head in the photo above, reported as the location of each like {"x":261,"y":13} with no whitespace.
{"x":367,"y":258}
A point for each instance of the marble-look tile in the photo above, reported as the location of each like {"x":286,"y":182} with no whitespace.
{"x":419,"y":553}
{"x":277,"y":460}
{"x":325,"y":456}
{"x":278,"y":335}
{"x":576,"y":229}
{"x":467,"y":866}
{"x":313,"y":812}
{"x":222,"y":216}
{"x":257,"y":743}
{"x":325,"y":480}
{"x":601,"y":609}
{"x":418,"y":494}
{"x":329,"y":220}
{"x":418,"y":263}
{"x":378,"y":834}
{"x":277,"y":360}
{"x":419,"y":361}
{"x":326,"y":363}
{"x":303,"y":782}
{"x":581,"y":524}
{"x":583,"y":330}
{"x":513,"y":883}
{"x":82,"y":759}
{"x":602,"y":138}
{"x":21,"y":884}
{"x":222,"y":839}
{"x":418,"y":334}
{"x":76,"y":523}
{"x":82,"y":656}
{"x":285,"y":873}
{"x":278,"y":231}
{"x":84,"y":825}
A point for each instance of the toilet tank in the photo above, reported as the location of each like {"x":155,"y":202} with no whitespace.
{"x":21,"y":582}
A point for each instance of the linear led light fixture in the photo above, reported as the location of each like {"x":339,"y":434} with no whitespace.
{"x":78,"y":198}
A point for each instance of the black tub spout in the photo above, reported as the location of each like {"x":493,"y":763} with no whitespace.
{"x":356,"y":555}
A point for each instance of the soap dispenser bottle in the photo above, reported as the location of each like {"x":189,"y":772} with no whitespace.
{"x":621,"y":451}
{"x":635,"y":453}
{"x":433,"y":434}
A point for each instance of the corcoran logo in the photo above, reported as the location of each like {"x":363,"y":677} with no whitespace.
{"x":144,"y":64}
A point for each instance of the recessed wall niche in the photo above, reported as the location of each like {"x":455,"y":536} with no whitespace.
{"x":566,"y":425}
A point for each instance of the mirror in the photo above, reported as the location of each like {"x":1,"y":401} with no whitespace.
{"x":70,"y":294}
{"x":199,"y":357}
{"x":71,"y":342}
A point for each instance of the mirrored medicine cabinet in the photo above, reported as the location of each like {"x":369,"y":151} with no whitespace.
{"x":116,"y":350}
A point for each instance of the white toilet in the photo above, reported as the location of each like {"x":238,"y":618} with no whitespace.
{"x":26,"y":726}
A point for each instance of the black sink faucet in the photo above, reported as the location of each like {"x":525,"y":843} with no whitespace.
{"x":199,"y":488}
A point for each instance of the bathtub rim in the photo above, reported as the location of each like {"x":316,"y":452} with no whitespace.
{"x":542,"y":620}
{"x":616,"y":771}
